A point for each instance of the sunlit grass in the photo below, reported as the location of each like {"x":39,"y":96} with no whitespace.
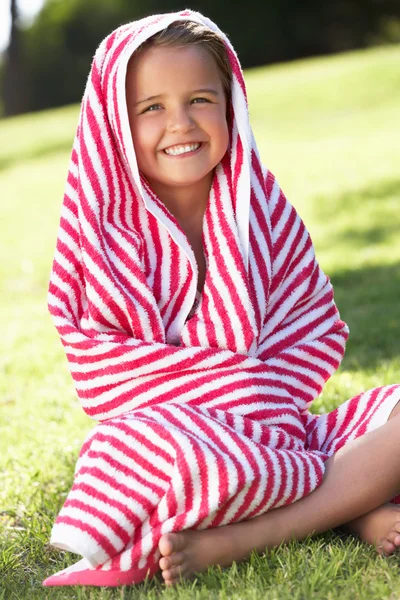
{"x":329,"y":126}
{"x":37,"y":134}
{"x":329,"y":130}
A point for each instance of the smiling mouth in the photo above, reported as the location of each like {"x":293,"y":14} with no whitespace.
{"x":183,"y":149}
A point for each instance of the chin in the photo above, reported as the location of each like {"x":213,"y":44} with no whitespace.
{"x":184,"y":181}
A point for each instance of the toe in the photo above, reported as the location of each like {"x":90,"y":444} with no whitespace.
{"x":394,"y":538}
{"x":165,"y":545}
{"x":173,"y":575}
{"x":164,"y":563}
{"x":387,"y":547}
{"x":171,"y":543}
{"x":175,"y":560}
{"x":396,"y":541}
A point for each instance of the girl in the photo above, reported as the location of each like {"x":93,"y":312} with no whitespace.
{"x":199,"y":328}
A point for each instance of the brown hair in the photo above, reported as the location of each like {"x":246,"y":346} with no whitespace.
{"x":183,"y":33}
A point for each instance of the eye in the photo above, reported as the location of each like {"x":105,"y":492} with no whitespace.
{"x":150,"y":107}
{"x":205,"y":99}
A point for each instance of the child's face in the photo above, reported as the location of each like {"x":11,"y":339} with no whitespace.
{"x":179,"y":115}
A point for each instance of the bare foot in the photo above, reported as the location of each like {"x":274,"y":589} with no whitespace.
{"x":380,"y":527}
{"x":192,"y":551}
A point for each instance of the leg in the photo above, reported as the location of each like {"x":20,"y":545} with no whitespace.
{"x":360,"y":477}
{"x":395,"y":411}
{"x":369,"y":527}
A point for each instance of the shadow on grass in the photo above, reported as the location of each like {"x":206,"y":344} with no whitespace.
{"x":373,"y":235}
{"x":369,"y":302}
{"x":360,"y":218}
{"x":360,"y":199}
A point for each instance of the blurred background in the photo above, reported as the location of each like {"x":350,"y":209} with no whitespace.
{"x":47,"y":46}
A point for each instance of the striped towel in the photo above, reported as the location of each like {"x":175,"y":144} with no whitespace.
{"x":202,"y":409}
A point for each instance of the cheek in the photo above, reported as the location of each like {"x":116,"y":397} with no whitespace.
{"x":145,"y":139}
{"x":216,"y":125}
{"x":226,"y":133}
{"x":221,"y":126}
{"x":222,"y":132}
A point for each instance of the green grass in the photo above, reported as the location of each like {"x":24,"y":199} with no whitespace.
{"x":329,"y":129}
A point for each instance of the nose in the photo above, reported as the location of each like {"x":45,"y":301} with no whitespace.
{"x":180,"y":121}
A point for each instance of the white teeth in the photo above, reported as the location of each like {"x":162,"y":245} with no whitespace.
{"x":175,"y":150}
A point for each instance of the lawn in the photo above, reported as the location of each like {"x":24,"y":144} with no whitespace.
{"x":329,"y":129}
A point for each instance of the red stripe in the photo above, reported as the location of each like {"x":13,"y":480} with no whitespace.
{"x":101,"y":540}
{"x":101,"y":515}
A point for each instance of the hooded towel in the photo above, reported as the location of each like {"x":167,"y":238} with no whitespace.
{"x":202,"y":409}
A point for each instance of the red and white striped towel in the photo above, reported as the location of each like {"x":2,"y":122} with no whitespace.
{"x":204,"y":420}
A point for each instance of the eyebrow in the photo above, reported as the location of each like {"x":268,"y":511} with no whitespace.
{"x":202,"y":90}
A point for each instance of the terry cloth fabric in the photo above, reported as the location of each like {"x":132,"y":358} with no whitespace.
{"x":204,"y":419}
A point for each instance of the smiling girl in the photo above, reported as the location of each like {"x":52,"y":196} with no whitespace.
{"x":180,"y":135}
{"x":199,"y":328}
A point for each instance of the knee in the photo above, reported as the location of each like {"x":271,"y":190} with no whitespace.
{"x":396,"y":411}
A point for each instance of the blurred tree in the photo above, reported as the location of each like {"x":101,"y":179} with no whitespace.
{"x":14,"y":96}
{"x":59,"y":46}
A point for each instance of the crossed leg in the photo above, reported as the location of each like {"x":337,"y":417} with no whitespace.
{"x":359,"y":480}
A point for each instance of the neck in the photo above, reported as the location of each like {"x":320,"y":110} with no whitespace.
{"x":186,"y":204}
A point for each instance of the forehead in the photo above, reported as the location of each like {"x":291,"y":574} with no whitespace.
{"x":157,"y":68}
